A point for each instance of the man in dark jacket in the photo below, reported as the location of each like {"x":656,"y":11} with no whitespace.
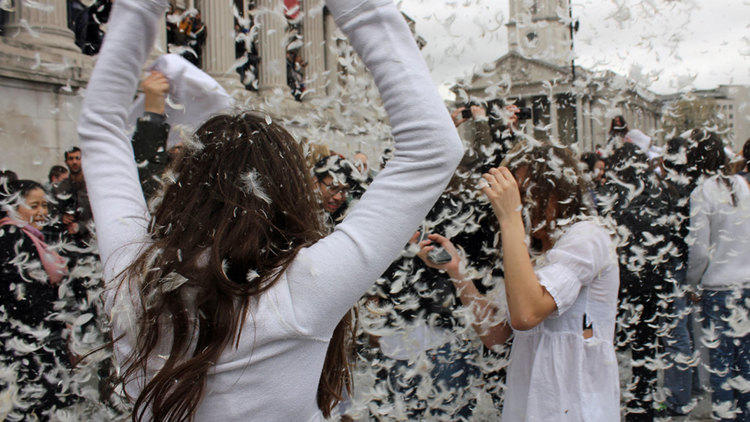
{"x":635,"y":198}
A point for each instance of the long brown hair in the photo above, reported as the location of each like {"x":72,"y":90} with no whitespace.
{"x":234,"y":211}
{"x":552,"y":175}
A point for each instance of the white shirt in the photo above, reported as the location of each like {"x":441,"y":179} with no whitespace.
{"x":555,"y":374}
{"x":273,"y":374}
{"x":719,"y":239}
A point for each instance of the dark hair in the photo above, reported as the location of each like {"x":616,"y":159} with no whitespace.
{"x":707,"y":154}
{"x":618,"y":130}
{"x":56,"y":171}
{"x":590,"y":159}
{"x":746,"y":153}
{"x":20,"y":187}
{"x":9,"y":176}
{"x":72,"y":150}
{"x":675,"y":157}
{"x":707,"y":158}
{"x":339,"y":168}
{"x":552,"y":175}
{"x":258,"y":211}
{"x":24,"y":186}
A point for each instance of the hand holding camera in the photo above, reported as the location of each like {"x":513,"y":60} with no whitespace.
{"x":470,"y":111}
{"x":438,"y":252}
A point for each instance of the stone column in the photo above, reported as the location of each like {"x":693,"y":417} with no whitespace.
{"x":580,"y":131}
{"x":313,"y":49}
{"x":270,"y":18}
{"x":555,"y":132}
{"x":592,"y":124}
{"x":583,"y":136}
{"x":629,"y":116}
{"x":218,"y":52}
{"x":331,"y":54}
{"x":44,"y":24}
{"x":596,"y":125}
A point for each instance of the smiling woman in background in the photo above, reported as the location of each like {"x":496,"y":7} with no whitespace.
{"x":31,"y":338}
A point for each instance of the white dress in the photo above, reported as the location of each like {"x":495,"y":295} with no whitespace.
{"x":555,"y":374}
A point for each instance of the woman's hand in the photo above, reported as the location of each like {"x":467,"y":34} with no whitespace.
{"x":502,"y":191}
{"x":156,"y":87}
{"x":452,"y":267}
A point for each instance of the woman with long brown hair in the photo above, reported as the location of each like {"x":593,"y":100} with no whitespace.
{"x":561,"y":306}
{"x":226,"y":301}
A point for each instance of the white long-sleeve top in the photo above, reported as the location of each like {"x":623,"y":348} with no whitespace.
{"x":719,"y":238}
{"x":273,"y":375}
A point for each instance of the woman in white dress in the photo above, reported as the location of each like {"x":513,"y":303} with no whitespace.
{"x":561,"y":307}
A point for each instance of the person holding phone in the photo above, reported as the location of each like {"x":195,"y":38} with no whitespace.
{"x":561,"y":306}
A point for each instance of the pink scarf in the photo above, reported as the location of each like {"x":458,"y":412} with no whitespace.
{"x":54,"y":264}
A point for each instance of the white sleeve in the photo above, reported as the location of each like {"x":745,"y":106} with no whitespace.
{"x":699,"y":236}
{"x":575,"y":260}
{"x":327,"y":278}
{"x":120,"y":212}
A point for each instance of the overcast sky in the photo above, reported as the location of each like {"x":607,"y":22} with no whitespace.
{"x":669,"y":45}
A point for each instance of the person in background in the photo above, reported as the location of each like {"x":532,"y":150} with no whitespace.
{"x":295,"y":76}
{"x":594,"y":167}
{"x":86,"y":23}
{"x":151,"y":133}
{"x":33,"y":350}
{"x":334,"y":177}
{"x":718,"y":262}
{"x":681,"y":376}
{"x":196,"y":38}
{"x":561,"y":306}
{"x":618,"y":128}
{"x":71,"y":197}
{"x":634,"y":197}
{"x":57,"y":174}
{"x":746,"y":155}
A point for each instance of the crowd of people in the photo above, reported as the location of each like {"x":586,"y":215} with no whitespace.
{"x":248,"y":57}
{"x":263,"y":268}
{"x":186,"y":34}
{"x":53,"y":327}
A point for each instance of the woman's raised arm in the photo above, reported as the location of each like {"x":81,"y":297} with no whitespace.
{"x":328,"y":278}
{"x":120,"y":212}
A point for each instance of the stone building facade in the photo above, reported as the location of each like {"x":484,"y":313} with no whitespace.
{"x":43,"y":77}
{"x":569,"y":103}
{"x":731,"y":104}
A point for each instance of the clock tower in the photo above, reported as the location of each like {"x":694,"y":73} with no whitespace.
{"x":540,"y":29}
